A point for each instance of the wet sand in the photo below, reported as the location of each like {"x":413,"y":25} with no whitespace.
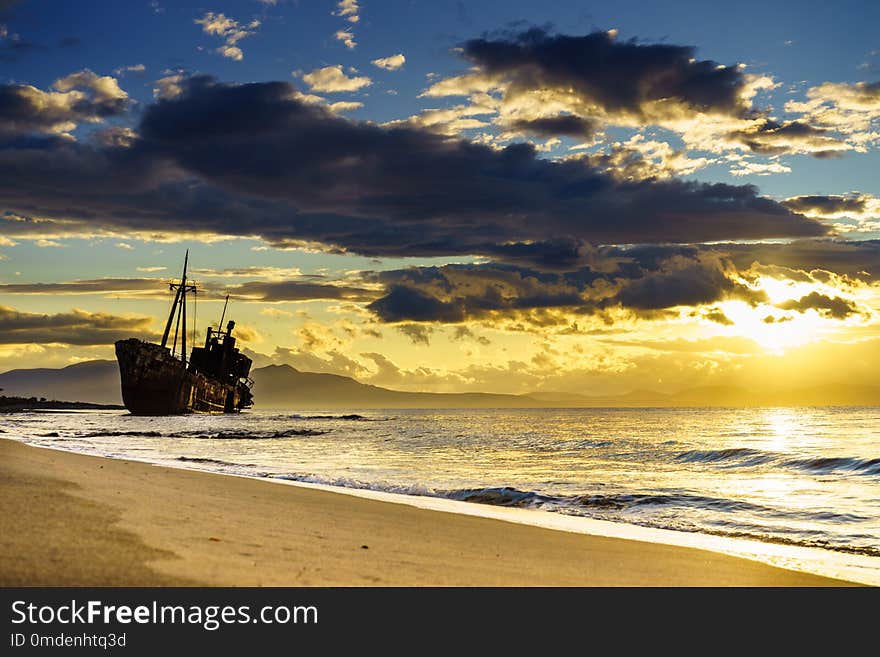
{"x":74,"y":520}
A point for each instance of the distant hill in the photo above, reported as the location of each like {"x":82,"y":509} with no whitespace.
{"x":95,"y":381}
{"x":282,"y":386}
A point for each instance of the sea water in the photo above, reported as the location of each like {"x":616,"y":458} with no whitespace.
{"x":798,"y":487}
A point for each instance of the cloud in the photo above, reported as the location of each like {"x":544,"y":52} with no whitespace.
{"x":464,"y":333}
{"x":114,"y":137}
{"x":602,"y":81}
{"x":231,"y":31}
{"x":418,"y":333}
{"x":264,"y":291}
{"x":832,"y":206}
{"x":686,"y":283}
{"x":747,"y":168}
{"x":349,"y":10}
{"x":391,"y":63}
{"x":641,"y":159}
{"x":847,"y":257}
{"x":769,"y":137}
{"x":347,"y":37}
{"x":852,"y":212}
{"x":849,"y":108}
{"x":450,"y":120}
{"x":655,"y":76}
{"x":410,"y":304}
{"x":253,"y":160}
{"x":639,"y":280}
{"x":271,"y":291}
{"x":835,"y":307}
{"x":77,"y":327}
{"x":564,"y":125}
{"x":717,"y":316}
{"x":81,"y":97}
{"x":92,"y":286}
{"x":134,"y":68}
{"x":331,"y":79}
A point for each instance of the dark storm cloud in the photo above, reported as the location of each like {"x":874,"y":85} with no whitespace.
{"x":718,"y":317}
{"x":269,"y":291}
{"x":617,"y":76}
{"x":263,"y":291}
{"x":835,"y":307}
{"x":689,"y":286}
{"x":598,"y":77}
{"x":77,"y":327}
{"x":773,"y":138}
{"x":417,"y":333}
{"x":563,"y":126}
{"x":93,"y":286}
{"x":827,"y":205}
{"x":851,"y":258}
{"x":457,"y":293}
{"x":252,"y":160}
{"x":405,"y":303}
{"x":643,"y":279}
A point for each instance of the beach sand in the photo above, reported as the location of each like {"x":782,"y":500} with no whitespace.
{"x":74,"y":520}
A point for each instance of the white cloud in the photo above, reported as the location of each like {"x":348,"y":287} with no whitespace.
{"x":231,"y":52}
{"x":852,"y":109}
{"x":348,"y":9}
{"x":746,"y":168}
{"x":391,"y":63}
{"x":228,"y":29}
{"x":168,"y":87}
{"x":332,"y":79}
{"x":134,"y":68}
{"x":347,"y":37}
{"x":344,"y":106}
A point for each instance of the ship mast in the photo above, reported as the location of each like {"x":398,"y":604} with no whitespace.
{"x":178,"y":308}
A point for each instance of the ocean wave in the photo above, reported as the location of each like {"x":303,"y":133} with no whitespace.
{"x":105,"y":434}
{"x":351,"y":417}
{"x":747,"y":457}
{"x":203,"y":435}
{"x":248,"y":435}
{"x":615,"y":507}
{"x":830,"y":465}
{"x":208,"y":461}
{"x":753,"y":456}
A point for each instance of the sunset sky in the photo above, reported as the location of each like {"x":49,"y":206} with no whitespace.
{"x":501,"y":196}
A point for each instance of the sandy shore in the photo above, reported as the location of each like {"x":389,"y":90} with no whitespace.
{"x":69,"y":519}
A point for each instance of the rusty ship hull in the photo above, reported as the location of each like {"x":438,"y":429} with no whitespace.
{"x":156,"y":383}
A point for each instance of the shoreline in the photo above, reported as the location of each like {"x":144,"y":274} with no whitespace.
{"x":74,"y":519}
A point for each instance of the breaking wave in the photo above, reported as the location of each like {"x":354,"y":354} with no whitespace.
{"x":746,"y":457}
{"x":627,"y":507}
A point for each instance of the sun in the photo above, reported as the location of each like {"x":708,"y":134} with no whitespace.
{"x":773,"y":330}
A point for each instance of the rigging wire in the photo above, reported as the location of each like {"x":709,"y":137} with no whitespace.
{"x":195,"y":310}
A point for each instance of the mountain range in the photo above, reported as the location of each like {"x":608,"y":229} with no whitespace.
{"x":282,"y":386}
